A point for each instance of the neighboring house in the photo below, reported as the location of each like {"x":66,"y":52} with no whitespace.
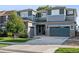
{"x":59,"y":21}
{"x":4,"y":15}
{"x":28,"y":16}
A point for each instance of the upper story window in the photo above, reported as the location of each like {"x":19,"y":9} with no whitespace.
{"x":49,"y":12}
{"x":38,"y":15}
{"x":2,"y":19}
{"x":62,"y":11}
{"x":70,"y":12}
{"x":55,"y":12}
{"x":24,"y":14}
{"x":44,"y":14}
{"x":29,"y":13}
{"x":18,"y":13}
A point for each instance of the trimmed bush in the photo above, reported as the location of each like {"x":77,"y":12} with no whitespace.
{"x":23,"y":36}
{"x":9,"y":34}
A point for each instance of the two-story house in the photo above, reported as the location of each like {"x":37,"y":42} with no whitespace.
{"x":59,"y":21}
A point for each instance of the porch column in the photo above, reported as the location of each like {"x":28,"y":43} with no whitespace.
{"x":47,"y":30}
{"x":35,"y":30}
{"x":6,"y":18}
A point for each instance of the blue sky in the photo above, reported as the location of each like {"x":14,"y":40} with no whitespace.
{"x":20,"y":7}
{"x":17,"y":7}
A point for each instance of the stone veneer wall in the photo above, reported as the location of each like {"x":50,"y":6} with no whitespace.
{"x":72,"y":33}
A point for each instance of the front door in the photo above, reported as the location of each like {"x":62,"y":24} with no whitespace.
{"x":40,"y":29}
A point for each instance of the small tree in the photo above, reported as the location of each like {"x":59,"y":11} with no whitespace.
{"x":44,"y":8}
{"x":15,"y":24}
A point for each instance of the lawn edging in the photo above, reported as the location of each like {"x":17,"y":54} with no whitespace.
{"x":17,"y":40}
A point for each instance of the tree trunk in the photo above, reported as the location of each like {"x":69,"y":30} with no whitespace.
{"x":15,"y":35}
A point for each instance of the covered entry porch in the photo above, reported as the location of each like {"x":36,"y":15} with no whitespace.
{"x":40,"y":29}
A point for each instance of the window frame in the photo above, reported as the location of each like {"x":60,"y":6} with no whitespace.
{"x":60,"y":12}
{"x":38,"y":15}
{"x":24,"y":14}
{"x":54,"y":11}
{"x":68,"y":11}
{"x":44,"y":14}
{"x":29,"y":13}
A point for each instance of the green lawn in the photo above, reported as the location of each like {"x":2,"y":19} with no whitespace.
{"x":4,"y":45}
{"x":67,"y":50}
{"x":10,"y":39}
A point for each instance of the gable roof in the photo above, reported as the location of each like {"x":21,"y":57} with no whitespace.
{"x":4,"y":13}
{"x":26,"y":10}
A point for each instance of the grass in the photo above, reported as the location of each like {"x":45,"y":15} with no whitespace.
{"x":3,"y":45}
{"x":67,"y":50}
{"x":10,"y":39}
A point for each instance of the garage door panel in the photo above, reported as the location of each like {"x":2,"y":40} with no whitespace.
{"x":59,"y":31}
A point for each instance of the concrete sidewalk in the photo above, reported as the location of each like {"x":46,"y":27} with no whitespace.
{"x":35,"y":48}
{"x":31,"y":48}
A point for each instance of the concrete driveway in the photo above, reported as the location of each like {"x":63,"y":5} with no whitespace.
{"x":46,"y":40}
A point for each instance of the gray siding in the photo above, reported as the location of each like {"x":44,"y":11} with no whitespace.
{"x":41,"y":19}
{"x":70,"y":18}
{"x":31,"y":31}
{"x":56,"y":23}
{"x":56,"y":18}
{"x":2,"y":19}
{"x":72,"y":33}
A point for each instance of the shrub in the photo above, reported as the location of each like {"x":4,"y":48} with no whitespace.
{"x":1,"y":38}
{"x":3,"y":34}
{"x":1,"y":31}
{"x":10,"y":34}
{"x":23,"y":36}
